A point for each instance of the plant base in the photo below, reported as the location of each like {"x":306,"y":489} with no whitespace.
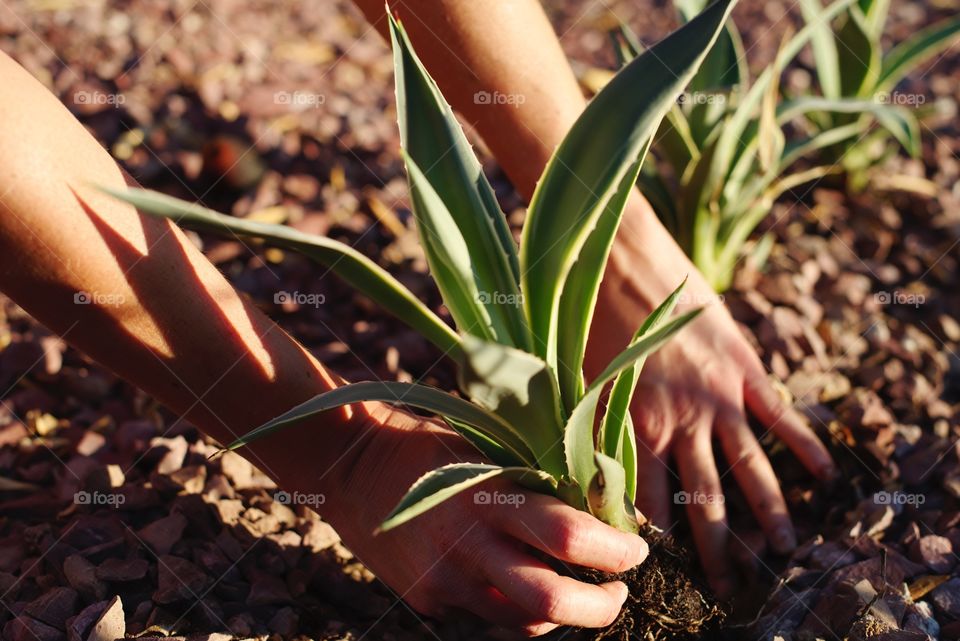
{"x":665,"y":602}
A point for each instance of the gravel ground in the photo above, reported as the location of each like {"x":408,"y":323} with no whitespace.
{"x":856,"y":312}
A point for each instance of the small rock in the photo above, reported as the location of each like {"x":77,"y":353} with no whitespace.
{"x":111,"y":625}
{"x":90,"y":443}
{"x":179,"y":579}
{"x":946,"y":598}
{"x":54,"y":607}
{"x":268,"y":590}
{"x":123,"y":569}
{"x":81,"y":575}
{"x":936,"y":552}
{"x":24,"y":628}
{"x":237,"y":469}
{"x":163,"y":534}
{"x":285,"y":622}
{"x":174,"y":451}
{"x":79,"y":626}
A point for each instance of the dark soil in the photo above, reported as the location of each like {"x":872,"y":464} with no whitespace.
{"x":665,"y":602}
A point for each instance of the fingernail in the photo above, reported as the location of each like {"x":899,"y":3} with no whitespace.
{"x":641,"y":552}
{"x":784,"y":540}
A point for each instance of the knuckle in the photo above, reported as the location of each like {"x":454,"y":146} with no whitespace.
{"x":569,"y":538}
{"x":748,"y":456}
{"x":550,"y":604}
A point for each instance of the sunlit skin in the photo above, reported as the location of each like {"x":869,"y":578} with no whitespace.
{"x":701,"y":386}
{"x":185,"y":336}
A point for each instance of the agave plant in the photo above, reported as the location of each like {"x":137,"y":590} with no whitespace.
{"x":530,"y":411}
{"x":726,"y":149}
{"x":851,"y":64}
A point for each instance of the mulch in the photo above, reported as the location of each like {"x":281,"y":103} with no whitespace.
{"x":113,"y":520}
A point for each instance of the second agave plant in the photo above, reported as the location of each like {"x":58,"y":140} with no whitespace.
{"x":527,"y":409}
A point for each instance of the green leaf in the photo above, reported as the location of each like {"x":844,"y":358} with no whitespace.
{"x":910,"y":53}
{"x":449,"y":258}
{"x":725,"y":65}
{"x":616,"y":420}
{"x":660,"y":198}
{"x":433,"y":400}
{"x":446,"y":482}
{"x":732,"y":132}
{"x":607,"y":495}
{"x":590,"y":164}
{"x":875,"y":16}
{"x":579,"y":297}
{"x":899,"y":121}
{"x":578,"y":433}
{"x":356,"y":269}
{"x":433,"y":138}
{"x":859,"y":55}
{"x":771,"y":139}
{"x":521,"y":389}
{"x":824,"y":48}
{"x":628,"y":457}
{"x":626,"y":44}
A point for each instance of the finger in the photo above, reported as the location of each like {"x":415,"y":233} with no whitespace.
{"x":571,"y":535}
{"x":755,"y":476}
{"x":704,"y":501}
{"x":489,"y":604}
{"x":547,"y":596}
{"x":765,"y":403}
{"x":653,"y":488}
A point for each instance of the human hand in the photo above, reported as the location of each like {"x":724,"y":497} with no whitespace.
{"x":477,"y":555}
{"x":700,"y":386}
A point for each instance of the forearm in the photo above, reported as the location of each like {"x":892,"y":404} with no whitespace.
{"x":134,"y":294}
{"x":509,"y":49}
{"x":505,"y":51}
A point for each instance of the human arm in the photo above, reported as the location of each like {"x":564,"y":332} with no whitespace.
{"x":155,"y":311}
{"x":701,"y":385}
